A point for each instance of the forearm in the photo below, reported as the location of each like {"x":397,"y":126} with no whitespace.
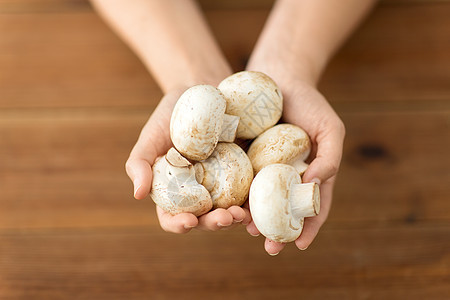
{"x":171,"y":38}
{"x":301,"y":36}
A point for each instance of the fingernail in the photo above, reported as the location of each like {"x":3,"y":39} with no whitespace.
{"x":238,"y":221}
{"x":316,"y":180}
{"x":188,"y":227}
{"x":273,"y":254}
{"x":136,"y":190}
{"x":303,"y":249}
{"x":254,"y":234}
{"x":220,"y":225}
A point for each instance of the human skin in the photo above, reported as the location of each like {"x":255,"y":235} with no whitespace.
{"x":174,"y":42}
{"x":297,"y":42}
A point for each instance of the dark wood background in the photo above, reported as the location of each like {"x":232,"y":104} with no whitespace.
{"x":73,"y":99}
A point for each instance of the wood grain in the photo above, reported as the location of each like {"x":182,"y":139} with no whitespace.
{"x":38,"y":6}
{"x":69,"y":160}
{"x":353,"y":263}
{"x":73,"y":99}
{"x":44,"y":65}
{"x":64,"y":168}
{"x":393,"y":168}
{"x":399,"y":54}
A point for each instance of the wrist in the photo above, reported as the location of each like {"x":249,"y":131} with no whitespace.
{"x":290,"y":45}
{"x":198,"y":74}
{"x":285,"y":70}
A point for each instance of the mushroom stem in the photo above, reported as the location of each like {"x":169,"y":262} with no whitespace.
{"x":174,"y":186}
{"x":199,"y":172}
{"x":205,"y":173}
{"x":305,"y":200}
{"x":175,"y":159}
{"x":300,"y":166}
{"x":229,"y":128}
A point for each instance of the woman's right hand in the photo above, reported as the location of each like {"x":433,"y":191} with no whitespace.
{"x":154,"y":141}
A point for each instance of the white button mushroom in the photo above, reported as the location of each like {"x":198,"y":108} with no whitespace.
{"x":174,"y":187}
{"x":284,"y":144}
{"x":255,"y":98}
{"x":227,"y":174}
{"x":279,"y":202}
{"x":199,"y":121}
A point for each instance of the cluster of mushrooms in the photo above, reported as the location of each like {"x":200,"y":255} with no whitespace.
{"x":205,"y":169}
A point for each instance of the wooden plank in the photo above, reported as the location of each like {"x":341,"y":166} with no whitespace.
{"x":64,"y":167}
{"x":267,"y":4}
{"x":410,"y":262}
{"x":73,"y":99}
{"x":68,"y":60}
{"x":389,"y":165}
{"x":399,"y":54}
{"x":45,"y":6}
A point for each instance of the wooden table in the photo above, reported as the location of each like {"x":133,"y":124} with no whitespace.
{"x":73,"y":99}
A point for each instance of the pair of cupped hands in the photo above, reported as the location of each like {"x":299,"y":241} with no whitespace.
{"x":303,"y":106}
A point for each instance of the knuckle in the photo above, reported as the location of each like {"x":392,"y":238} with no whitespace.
{"x":128,"y":165}
{"x":171,"y":230}
{"x":179,"y":230}
{"x":333,"y":167}
{"x":164,"y":227}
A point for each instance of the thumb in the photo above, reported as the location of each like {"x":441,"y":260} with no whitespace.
{"x":329,"y":153}
{"x":140,"y":172}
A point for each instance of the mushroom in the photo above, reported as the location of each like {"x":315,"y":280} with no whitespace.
{"x":199,"y":121}
{"x":279,"y":202}
{"x":284,"y":144}
{"x":227,"y":174}
{"x":255,"y":98}
{"x":174,"y":187}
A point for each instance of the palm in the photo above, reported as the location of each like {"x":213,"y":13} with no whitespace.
{"x":306,"y":107}
{"x":154,"y":141}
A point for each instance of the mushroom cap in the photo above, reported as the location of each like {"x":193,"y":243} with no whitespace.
{"x":196,"y":121}
{"x":283,"y":143}
{"x":270,"y":204}
{"x":227,"y":176}
{"x":175,"y":189}
{"x":255,"y":98}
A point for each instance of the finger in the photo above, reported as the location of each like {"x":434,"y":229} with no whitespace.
{"x":273,"y":248}
{"x":140,"y":173}
{"x":139,"y":163}
{"x":328,"y":157}
{"x":233,"y":225}
{"x":312,"y":225}
{"x":181,"y":223}
{"x":310,"y":230}
{"x":154,"y":139}
{"x":252,"y":230}
{"x":247,"y":218}
{"x":237,"y":213}
{"x":215,"y":220}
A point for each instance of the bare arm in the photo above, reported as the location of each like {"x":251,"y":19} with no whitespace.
{"x":300,"y":37}
{"x":171,"y":38}
{"x":298,"y":40}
